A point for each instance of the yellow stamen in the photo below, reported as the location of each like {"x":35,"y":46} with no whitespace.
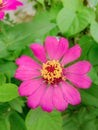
{"x":52,"y":71}
{"x":1,"y":1}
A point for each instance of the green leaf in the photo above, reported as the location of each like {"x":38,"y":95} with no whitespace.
{"x":8,"y":92}
{"x":4,"y":108}
{"x":30,"y":31}
{"x":65,"y":18}
{"x":90,"y":96}
{"x":85,"y":42}
{"x":91,"y":15}
{"x":2,"y":79}
{"x":8,"y":68}
{"x":94,"y":30}
{"x":16,"y":122}
{"x":21,"y":35}
{"x":4,"y":124}
{"x":71,"y":22}
{"x":89,"y":125}
{"x":93,"y":91}
{"x":40,"y":120}
{"x":54,"y":10}
{"x":80,"y":119}
{"x":17,"y":104}
{"x":73,"y":18}
{"x":88,"y":99}
{"x":70,"y":124}
{"x":74,"y":4}
{"x":93,"y":54}
{"x":93,"y":75}
{"x":96,"y":69}
{"x":80,"y":21}
{"x":96,"y":123}
{"x":41,"y":1}
{"x":3,"y":50}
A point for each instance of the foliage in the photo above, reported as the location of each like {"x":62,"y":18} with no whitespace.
{"x":76,"y":20}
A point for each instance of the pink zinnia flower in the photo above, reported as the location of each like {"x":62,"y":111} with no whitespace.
{"x":8,"y":5}
{"x":50,"y":83}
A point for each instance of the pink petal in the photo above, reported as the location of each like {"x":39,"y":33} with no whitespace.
{"x":58,"y":100}
{"x":70,"y":93}
{"x":27,"y":62}
{"x":71,"y":55}
{"x":51,"y":44}
{"x":34,"y":99}
{"x":61,"y":49}
{"x":55,"y":48}
{"x":80,"y":67}
{"x":28,"y":68}
{"x":18,"y":3}
{"x":25,"y":73}
{"x":1,"y":15}
{"x":46,"y":100}
{"x":11,"y":4}
{"x":28,"y":87}
{"x":39,"y":52}
{"x":81,"y":81}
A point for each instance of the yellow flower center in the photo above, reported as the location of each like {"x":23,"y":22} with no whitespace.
{"x":52,"y":72}
{"x":1,"y":1}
